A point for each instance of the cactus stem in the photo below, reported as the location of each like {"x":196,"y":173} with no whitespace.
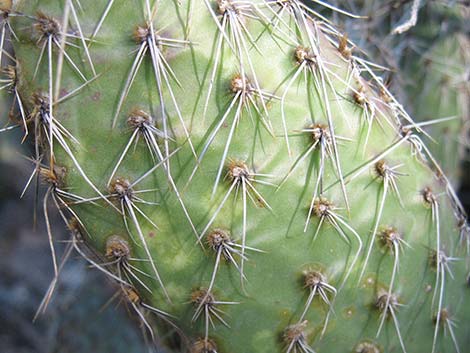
{"x":75,"y":90}
{"x":203,"y":345}
{"x":4,"y":13}
{"x":324,"y":210}
{"x":343,"y":48}
{"x":441,"y":262}
{"x":143,"y":124}
{"x":207,"y":304}
{"x":371,"y":109}
{"x":108,"y":7}
{"x":464,"y":232}
{"x":321,"y":137}
{"x":367,"y":347}
{"x":149,"y":41}
{"x":76,"y":242}
{"x":448,"y":324}
{"x":53,"y":130}
{"x":431,"y":201}
{"x":10,"y":83}
{"x":365,"y":166}
{"x":139,"y":307}
{"x":294,"y":337}
{"x":233,"y":29}
{"x":388,"y":175}
{"x":362,"y":65}
{"x":219,"y":240}
{"x":316,"y":283}
{"x":122,"y":189}
{"x":324,"y":79}
{"x":53,"y":177}
{"x":240,"y":175}
{"x":81,"y":36}
{"x":388,"y":302}
{"x":392,"y":239}
{"x":368,"y":112}
{"x":244,"y":97}
{"x":243,"y":57}
{"x":118,"y":251}
{"x":303,"y":66}
{"x":51,"y":34}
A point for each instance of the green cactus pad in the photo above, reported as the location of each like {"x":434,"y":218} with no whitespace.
{"x":248,"y":182}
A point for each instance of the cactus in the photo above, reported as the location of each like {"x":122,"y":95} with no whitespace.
{"x":431,"y":53}
{"x":449,"y":102}
{"x":241,"y":173}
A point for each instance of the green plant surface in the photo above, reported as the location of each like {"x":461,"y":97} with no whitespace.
{"x":374,"y":182}
{"x":431,"y":53}
{"x":450,"y":100}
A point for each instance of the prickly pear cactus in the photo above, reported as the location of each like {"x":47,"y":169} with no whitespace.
{"x":423,"y":50}
{"x":450,"y":102}
{"x":242,"y":174}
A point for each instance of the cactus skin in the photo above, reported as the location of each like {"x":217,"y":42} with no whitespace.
{"x":451,"y":100}
{"x":265,"y":313}
{"x":433,"y":53}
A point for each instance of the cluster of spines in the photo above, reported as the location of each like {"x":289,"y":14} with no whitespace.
{"x":247,"y":94}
